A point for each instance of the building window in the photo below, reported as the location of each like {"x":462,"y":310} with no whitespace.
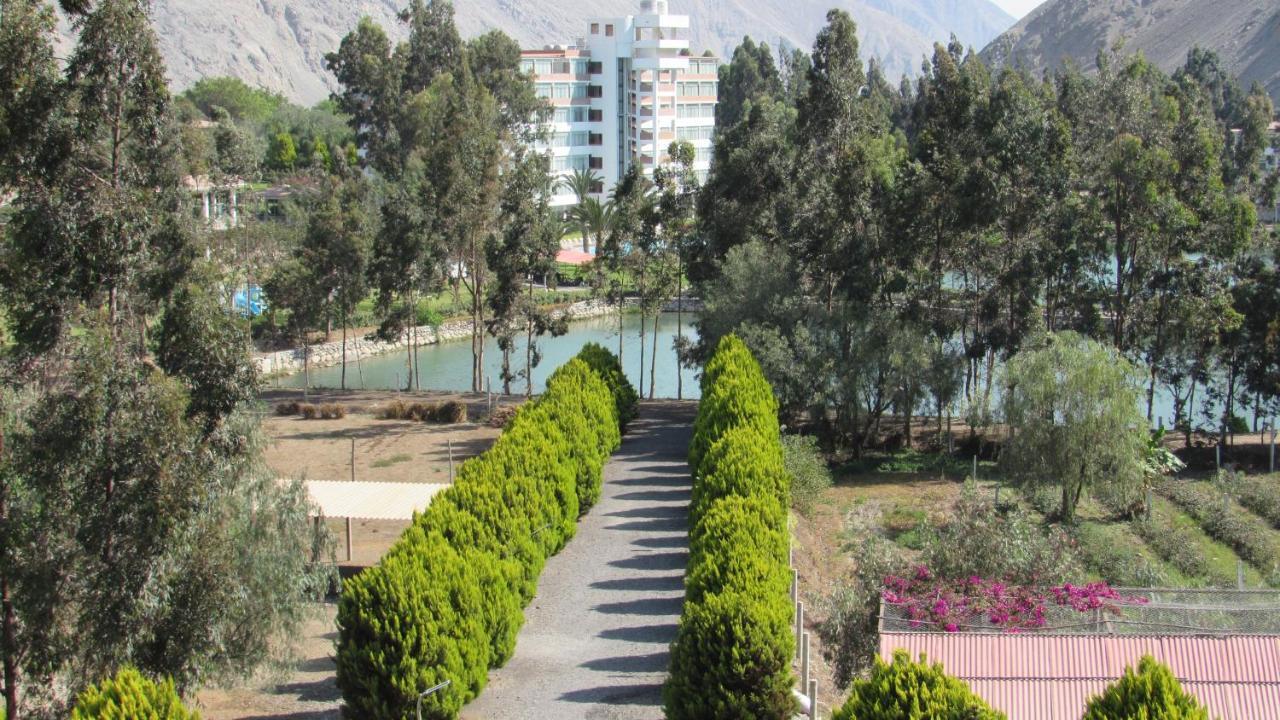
{"x":595,"y":68}
{"x":696,"y":110}
{"x":563,"y":91}
{"x":597,"y":163}
{"x":595,"y":116}
{"x":608,"y":30}
{"x":544,"y":90}
{"x":595,"y":91}
{"x":595,"y":28}
{"x":595,"y":139}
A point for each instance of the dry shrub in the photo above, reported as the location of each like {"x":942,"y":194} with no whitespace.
{"x":309,"y":411}
{"x":285,"y":409}
{"x":452,"y":412}
{"x":333,"y":411}
{"x":397,"y":410}
{"x":502,"y":416}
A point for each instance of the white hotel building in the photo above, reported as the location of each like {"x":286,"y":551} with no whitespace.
{"x":623,"y":94}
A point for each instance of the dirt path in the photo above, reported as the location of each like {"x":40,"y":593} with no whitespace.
{"x":595,"y":639}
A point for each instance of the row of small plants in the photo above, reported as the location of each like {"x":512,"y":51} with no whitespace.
{"x":311,"y":411}
{"x":1259,"y":493}
{"x":905,"y":689}
{"x":446,"y":601}
{"x":450,"y":412}
{"x":1249,"y":536}
{"x":733,"y":648}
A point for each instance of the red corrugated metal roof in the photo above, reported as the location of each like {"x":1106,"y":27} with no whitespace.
{"x":1052,"y":677}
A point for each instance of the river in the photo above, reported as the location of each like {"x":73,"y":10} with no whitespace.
{"x":447,"y":366}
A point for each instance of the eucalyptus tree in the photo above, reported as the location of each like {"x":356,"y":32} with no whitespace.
{"x":750,"y":76}
{"x":525,"y":249}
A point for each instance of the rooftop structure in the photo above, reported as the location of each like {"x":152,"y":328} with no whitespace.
{"x":1222,"y":645}
{"x":622,"y":94}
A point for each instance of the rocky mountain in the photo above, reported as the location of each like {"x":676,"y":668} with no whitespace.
{"x":1245,"y":33}
{"x":280,"y":44}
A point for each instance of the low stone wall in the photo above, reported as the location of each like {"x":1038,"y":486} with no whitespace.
{"x":287,"y":362}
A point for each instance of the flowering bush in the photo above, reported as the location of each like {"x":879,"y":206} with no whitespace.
{"x":953,"y":605}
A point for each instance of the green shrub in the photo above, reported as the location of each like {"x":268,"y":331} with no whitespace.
{"x":906,"y":690}
{"x":1179,"y":547}
{"x":807,"y":469}
{"x":741,"y":462}
{"x":447,"y":600}
{"x":1150,"y":692}
{"x":130,"y":696}
{"x":733,"y":648}
{"x":609,"y":368}
{"x":732,"y":659}
{"x":739,"y":545}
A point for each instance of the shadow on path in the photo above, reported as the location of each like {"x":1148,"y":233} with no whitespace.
{"x":594,"y":642}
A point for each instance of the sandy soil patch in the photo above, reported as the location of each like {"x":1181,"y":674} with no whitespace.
{"x":308,"y":692}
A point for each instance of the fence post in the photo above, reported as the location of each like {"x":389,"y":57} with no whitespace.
{"x":975,"y":468}
{"x":804,"y":663}
{"x":1239,"y":574}
{"x":799,"y":625}
{"x":1272,"y":445}
{"x":1150,"y":501}
{"x":795,"y":585}
{"x":353,"y":459}
{"x":450,"y":461}
{"x":1217,"y":450}
{"x":349,"y":543}
{"x":813,"y":700}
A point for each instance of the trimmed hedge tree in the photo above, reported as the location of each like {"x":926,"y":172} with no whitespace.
{"x":1150,"y":693}
{"x":447,"y":600}
{"x":733,"y":648}
{"x":128,"y":696}
{"x":907,"y":690}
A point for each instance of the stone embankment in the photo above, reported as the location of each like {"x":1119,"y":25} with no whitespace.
{"x":287,"y":362}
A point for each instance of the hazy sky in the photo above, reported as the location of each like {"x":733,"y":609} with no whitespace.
{"x":1018,"y":8}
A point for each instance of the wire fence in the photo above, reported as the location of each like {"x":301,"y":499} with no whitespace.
{"x":1164,"y":612}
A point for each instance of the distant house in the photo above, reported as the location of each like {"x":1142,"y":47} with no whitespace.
{"x":219,"y":203}
{"x":1222,"y":645}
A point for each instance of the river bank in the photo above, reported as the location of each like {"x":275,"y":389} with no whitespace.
{"x":362,"y":347}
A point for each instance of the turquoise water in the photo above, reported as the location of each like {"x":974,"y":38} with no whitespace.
{"x":448,"y":366}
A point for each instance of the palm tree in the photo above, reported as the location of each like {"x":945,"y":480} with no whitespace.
{"x":582,"y":184}
{"x":595,"y":218}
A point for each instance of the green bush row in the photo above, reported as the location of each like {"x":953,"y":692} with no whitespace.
{"x":733,"y":649}
{"x":607,"y":366}
{"x":1250,"y":537}
{"x":1260,"y":494}
{"x":447,"y":600}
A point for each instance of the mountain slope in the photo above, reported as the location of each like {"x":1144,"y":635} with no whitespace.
{"x":280,"y":44}
{"x":1246,"y":33}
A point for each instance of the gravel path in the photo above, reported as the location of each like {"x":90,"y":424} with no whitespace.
{"x":594,"y":643}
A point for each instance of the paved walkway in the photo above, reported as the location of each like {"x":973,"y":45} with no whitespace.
{"x":596,"y":636}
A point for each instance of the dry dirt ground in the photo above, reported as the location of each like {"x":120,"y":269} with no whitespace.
{"x":306,"y":693}
{"x":385,"y":450}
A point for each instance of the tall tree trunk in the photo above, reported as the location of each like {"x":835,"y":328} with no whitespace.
{"x":506,"y":368}
{"x":644,"y":318}
{"x":477,"y":320}
{"x":621,"y":305}
{"x":528,"y":345}
{"x":9,"y":633}
{"x":344,"y":351}
{"x":653,"y":361}
{"x":679,"y":328}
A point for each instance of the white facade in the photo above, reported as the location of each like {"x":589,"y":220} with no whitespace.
{"x":623,"y":93}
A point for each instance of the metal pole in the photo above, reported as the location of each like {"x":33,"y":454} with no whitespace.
{"x":353,"y":459}
{"x":429,"y":691}
{"x":451,"y":460}
{"x":813,"y":699}
{"x":795,"y":585}
{"x":349,"y":539}
{"x":975,"y":468}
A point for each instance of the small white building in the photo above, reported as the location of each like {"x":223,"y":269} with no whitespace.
{"x":622,"y":94}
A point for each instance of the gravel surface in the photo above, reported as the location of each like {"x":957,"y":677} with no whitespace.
{"x":595,"y":639}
